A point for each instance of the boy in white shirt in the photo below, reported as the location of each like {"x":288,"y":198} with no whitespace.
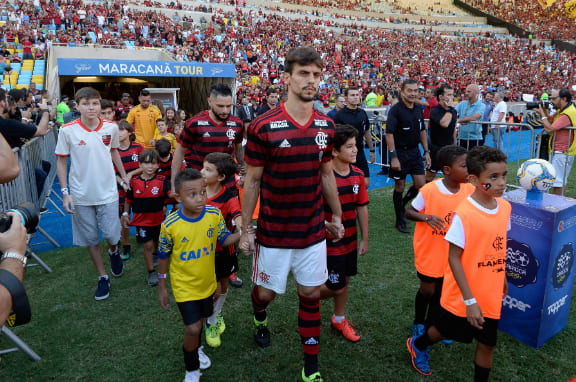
{"x":92,"y":198}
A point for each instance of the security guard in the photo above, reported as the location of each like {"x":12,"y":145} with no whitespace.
{"x":404,"y":131}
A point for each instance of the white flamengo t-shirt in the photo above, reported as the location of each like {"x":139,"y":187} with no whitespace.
{"x":92,"y":180}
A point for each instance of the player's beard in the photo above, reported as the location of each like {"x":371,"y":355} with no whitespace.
{"x":304,"y":97}
{"x":221,"y":117}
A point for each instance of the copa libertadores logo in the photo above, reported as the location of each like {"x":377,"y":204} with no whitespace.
{"x":521,"y":264}
{"x":562,"y":266}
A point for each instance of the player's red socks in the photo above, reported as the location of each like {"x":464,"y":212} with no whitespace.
{"x":309,"y":328}
{"x":258,"y":305}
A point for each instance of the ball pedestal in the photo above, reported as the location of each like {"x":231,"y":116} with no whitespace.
{"x":535,"y":198}
{"x":540,"y":267}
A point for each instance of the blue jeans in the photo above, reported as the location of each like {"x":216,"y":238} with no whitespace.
{"x":498,"y":137}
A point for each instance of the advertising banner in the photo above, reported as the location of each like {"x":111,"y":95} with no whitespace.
{"x":539,"y":267}
{"x":126,"y":68}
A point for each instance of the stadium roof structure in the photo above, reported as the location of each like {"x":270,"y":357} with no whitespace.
{"x":114,"y":71}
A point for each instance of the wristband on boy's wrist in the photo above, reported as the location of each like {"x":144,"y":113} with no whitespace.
{"x":470,"y":301}
{"x":161,"y":275}
{"x":64,"y":191}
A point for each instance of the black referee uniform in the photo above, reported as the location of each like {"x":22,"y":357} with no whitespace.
{"x":440,"y":136}
{"x":359,"y":119}
{"x":405,"y":125}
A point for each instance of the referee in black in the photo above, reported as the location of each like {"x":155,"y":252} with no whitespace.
{"x":353,"y":114}
{"x":442,"y":127}
{"x":404,"y":131}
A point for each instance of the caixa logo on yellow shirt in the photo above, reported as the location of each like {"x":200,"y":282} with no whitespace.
{"x":197,"y":254}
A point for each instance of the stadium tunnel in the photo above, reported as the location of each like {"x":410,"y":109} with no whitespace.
{"x":116,"y":71}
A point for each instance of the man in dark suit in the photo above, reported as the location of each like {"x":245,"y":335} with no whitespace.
{"x":246,"y":112}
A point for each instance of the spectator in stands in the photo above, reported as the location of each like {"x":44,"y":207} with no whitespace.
{"x":123,"y":108}
{"x":564,"y":150}
{"x":143,"y":117}
{"x":371,"y":98}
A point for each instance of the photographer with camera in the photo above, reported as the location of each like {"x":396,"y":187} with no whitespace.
{"x":12,"y":129}
{"x":562,"y":154}
{"x":12,"y":266}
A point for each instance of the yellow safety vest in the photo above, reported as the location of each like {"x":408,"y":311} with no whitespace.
{"x":570,"y":112}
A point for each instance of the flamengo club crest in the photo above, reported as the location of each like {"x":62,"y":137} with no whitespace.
{"x":321,"y":140}
{"x":231,"y":134}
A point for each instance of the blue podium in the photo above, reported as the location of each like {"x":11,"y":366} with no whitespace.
{"x":539,"y":267}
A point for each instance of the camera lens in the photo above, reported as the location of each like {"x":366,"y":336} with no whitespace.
{"x":29,"y":214}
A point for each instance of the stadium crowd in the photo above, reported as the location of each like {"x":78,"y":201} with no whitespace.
{"x":545,"y":23}
{"x":381,"y":61}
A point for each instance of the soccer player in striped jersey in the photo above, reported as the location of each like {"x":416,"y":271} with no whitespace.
{"x":188,"y":238}
{"x":129,"y":152}
{"x":289,"y":164}
{"x":343,"y":254}
{"x":212,"y":130}
{"x":218,"y":169}
{"x":146,"y":199}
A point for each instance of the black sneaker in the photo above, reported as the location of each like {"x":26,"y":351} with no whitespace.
{"x":103,"y":289}
{"x":116,"y":264}
{"x":262,"y":334}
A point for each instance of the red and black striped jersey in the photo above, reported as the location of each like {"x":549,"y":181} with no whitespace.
{"x":291,"y":205}
{"x":130,"y":162}
{"x":201,"y":136}
{"x":147,"y":199}
{"x":165,"y":168}
{"x":352,"y":194}
{"x":229,"y":206}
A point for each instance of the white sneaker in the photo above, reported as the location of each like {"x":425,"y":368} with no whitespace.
{"x":192,"y":376}
{"x":205,"y":362}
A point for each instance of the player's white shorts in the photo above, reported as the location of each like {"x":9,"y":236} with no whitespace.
{"x":271,"y":266}
{"x":562,"y":164}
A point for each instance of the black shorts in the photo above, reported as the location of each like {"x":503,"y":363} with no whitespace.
{"x":434,"y":166}
{"x":411,"y":163}
{"x":193,"y":311}
{"x":226,"y":263}
{"x":459,"y":329}
{"x":145,"y":234}
{"x":428,"y":279}
{"x":121,"y":201}
{"x":339,"y":267}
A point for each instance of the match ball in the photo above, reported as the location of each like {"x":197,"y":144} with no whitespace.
{"x":536,"y":175}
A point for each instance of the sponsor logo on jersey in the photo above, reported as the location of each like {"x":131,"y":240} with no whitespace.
{"x":321,"y":122}
{"x":206,"y":135}
{"x":285,"y":144}
{"x":278,"y":124}
{"x":81,"y":143}
{"x":203,"y":123}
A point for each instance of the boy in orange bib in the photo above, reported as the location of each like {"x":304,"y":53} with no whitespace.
{"x":432,"y":210}
{"x":475,"y":283}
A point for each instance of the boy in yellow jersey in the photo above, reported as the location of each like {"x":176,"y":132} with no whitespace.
{"x":432,"y":210}
{"x":188,"y":239}
{"x":475,"y":283}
